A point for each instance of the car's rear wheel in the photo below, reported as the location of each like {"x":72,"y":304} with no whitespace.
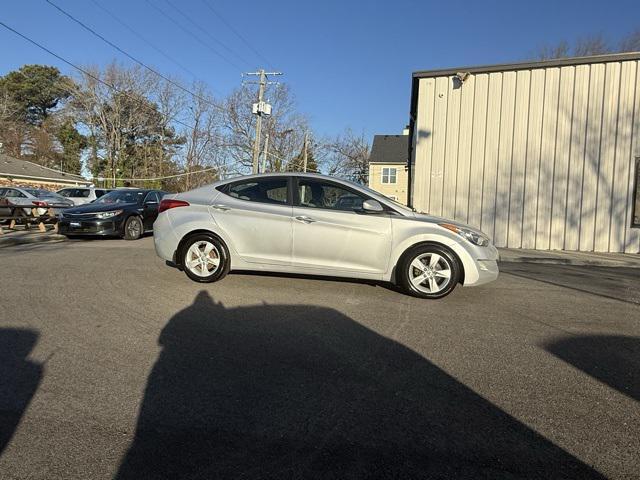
{"x":205,"y":258}
{"x":429,"y":271}
{"x":133,"y":228}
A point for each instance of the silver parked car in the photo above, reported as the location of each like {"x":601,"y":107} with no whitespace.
{"x":34,"y":197}
{"x":318,"y":225}
{"x":82,"y":195}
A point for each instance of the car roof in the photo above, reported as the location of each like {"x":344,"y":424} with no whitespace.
{"x":372,"y":193}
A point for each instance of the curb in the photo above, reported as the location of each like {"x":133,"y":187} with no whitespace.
{"x":571,"y":262}
{"x":25,"y":240}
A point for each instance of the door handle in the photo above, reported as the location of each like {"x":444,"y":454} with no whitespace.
{"x":305,"y":219}
{"x":219,"y":206}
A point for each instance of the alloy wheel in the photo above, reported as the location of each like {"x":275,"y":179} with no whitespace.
{"x":202,"y":258}
{"x":134,"y":228}
{"x":430,"y":272}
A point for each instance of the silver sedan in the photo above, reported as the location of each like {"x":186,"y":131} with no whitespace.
{"x":30,"y":198}
{"x":318,"y":225}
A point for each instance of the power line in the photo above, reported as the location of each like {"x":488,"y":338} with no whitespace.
{"x":82,"y":70}
{"x":134,"y":32}
{"x":238,"y":34}
{"x":108,"y":42}
{"x":151,"y":179}
{"x":195,"y":24}
{"x":191,"y":34}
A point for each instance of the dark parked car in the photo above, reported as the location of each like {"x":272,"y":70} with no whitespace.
{"x":125,"y":212}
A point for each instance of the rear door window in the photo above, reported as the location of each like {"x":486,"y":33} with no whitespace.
{"x":152,"y":197}
{"x":263,"y":190}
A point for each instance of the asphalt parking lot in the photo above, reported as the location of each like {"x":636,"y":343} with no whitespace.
{"x":113,"y":365}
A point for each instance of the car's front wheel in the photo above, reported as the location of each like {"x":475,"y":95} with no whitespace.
{"x":133,"y":228}
{"x":429,"y":271}
{"x":205,"y":258}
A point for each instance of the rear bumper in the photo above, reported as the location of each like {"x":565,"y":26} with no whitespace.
{"x":105,"y":228}
{"x":165,"y":240}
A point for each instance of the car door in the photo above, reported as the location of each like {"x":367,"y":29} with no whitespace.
{"x":255,"y":215}
{"x":150,"y":210}
{"x":332,"y":232}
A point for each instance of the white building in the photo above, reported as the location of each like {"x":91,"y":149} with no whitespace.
{"x":538,"y":155}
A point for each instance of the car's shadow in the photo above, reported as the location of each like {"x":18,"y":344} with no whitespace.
{"x":90,"y":238}
{"x":293,"y":391}
{"x":360,"y":281}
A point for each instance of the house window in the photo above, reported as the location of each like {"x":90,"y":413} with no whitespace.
{"x":388,"y":175}
{"x":635,"y":206}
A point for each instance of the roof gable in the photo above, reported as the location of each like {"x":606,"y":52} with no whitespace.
{"x":389,"y":149}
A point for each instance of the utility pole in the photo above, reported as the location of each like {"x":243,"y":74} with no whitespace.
{"x":304,"y":155}
{"x":265,"y":153}
{"x":259,"y":109}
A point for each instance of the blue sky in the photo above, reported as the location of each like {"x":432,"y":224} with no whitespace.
{"x":349,"y":63}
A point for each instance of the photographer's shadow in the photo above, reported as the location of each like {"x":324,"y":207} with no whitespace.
{"x":19,"y":379}
{"x":293,"y":391}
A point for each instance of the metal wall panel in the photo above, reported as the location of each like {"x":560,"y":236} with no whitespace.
{"x":537,"y":158}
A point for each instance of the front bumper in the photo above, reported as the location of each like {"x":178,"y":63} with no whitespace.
{"x":106,"y":227}
{"x":480,"y":263}
{"x":487,"y":271}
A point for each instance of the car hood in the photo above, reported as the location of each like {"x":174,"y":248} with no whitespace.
{"x":424,"y":217}
{"x":101,"y":207}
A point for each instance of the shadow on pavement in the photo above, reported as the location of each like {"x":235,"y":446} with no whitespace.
{"x":19,"y":379}
{"x":616,"y":283}
{"x":293,"y":391}
{"x":612,"y":359}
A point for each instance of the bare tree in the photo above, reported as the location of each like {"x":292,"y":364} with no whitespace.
{"x":548,"y":52}
{"x":631,"y":42}
{"x":347,"y":155}
{"x":202,"y":148}
{"x":130,"y":136}
{"x":591,"y":45}
{"x":285,"y":127}
{"x":595,"y":44}
{"x":12,"y":133}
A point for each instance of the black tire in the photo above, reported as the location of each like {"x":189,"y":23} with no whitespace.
{"x":220,"y":251}
{"x":133,"y":228}
{"x":446,"y":262}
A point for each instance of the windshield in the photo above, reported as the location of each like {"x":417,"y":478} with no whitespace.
{"x":373,"y":192}
{"x":121,"y":196}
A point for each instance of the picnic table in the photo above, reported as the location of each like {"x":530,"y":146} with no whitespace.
{"x":18,"y":213}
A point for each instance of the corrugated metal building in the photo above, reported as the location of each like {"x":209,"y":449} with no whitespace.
{"x":538,"y":155}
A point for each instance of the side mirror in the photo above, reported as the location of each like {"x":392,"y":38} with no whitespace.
{"x":372,"y":206}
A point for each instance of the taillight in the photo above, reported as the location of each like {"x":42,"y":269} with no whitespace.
{"x":171,"y":203}
{"x":38,"y":203}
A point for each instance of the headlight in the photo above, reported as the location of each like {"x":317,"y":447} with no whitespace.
{"x":474,"y":237}
{"x":113,"y":213}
